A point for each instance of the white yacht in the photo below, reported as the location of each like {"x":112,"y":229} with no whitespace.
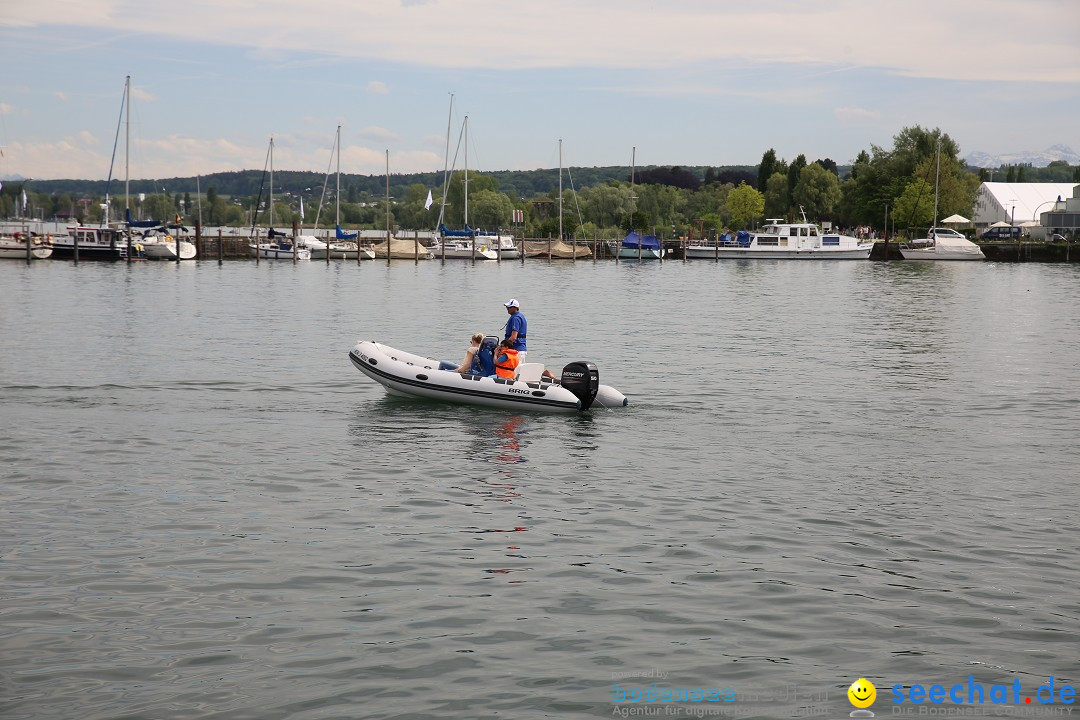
{"x":782,"y":240}
{"x":283,"y":249}
{"x":344,"y":250}
{"x":942,"y":244}
{"x":502,"y":244}
{"x":165,"y":247}
{"x":14,"y":246}
{"x":462,"y":249}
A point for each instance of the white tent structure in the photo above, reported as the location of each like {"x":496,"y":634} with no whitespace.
{"x":1016,"y":203}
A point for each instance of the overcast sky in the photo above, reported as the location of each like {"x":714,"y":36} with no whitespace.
{"x":688,"y":82}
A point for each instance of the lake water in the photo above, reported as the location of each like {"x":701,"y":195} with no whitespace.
{"x":827,"y":471}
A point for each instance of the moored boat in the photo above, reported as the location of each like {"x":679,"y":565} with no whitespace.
{"x":13,"y":247}
{"x":403,"y":373}
{"x":635,"y":246}
{"x":787,"y":241}
{"x":942,"y":244}
{"x":465,"y":249}
{"x":165,"y":247}
{"x":95,"y":243}
{"x":501,"y":244}
{"x":280,"y":250}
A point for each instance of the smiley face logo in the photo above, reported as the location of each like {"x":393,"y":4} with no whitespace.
{"x":862,"y":693}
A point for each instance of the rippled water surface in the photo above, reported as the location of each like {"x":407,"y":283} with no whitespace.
{"x":827,"y":471}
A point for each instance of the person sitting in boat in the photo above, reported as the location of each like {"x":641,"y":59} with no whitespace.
{"x":471,"y":363}
{"x":506,"y":360}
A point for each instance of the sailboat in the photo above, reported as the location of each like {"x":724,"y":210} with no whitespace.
{"x":14,"y":246}
{"x":155,"y":240}
{"x":941,"y":243}
{"x":635,"y":246}
{"x":559,"y":249}
{"x":345,"y":246}
{"x":107,"y":241}
{"x":285,"y":248}
{"x":460,"y":244}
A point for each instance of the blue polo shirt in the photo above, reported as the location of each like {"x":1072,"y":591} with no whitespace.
{"x":517,"y":322}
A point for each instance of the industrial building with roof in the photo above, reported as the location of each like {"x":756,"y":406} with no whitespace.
{"x":1024,"y":204}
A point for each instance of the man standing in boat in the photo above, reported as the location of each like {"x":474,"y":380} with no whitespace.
{"x":516,"y":328}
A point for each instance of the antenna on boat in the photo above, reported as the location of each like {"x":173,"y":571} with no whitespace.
{"x":802,"y":212}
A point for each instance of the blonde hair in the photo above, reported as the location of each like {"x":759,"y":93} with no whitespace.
{"x":477,"y":338}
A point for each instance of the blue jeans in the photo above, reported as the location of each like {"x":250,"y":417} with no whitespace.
{"x":443,"y":365}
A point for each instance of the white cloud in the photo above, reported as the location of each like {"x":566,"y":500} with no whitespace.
{"x":855,"y":114}
{"x":377,"y":88}
{"x":140,"y":94}
{"x":181,"y":156}
{"x":891,"y":34}
{"x":6,"y":109}
{"x":59,"y":95}
{"x":380,"y":134}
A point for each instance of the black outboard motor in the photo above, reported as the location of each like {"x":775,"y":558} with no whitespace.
{"x":582,"y":379}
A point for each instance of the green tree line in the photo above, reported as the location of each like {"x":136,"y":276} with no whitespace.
{"x":894,"y":183}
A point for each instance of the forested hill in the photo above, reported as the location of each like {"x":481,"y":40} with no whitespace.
{"x":515,"y":183}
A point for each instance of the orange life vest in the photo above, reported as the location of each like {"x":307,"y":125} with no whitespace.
{"x":506,"y":369}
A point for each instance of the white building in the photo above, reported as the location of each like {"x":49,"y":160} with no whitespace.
{"x":1062,"y":216}
{"x":1017,"y":203}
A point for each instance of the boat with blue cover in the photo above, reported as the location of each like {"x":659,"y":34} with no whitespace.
{"x":644,"y":247}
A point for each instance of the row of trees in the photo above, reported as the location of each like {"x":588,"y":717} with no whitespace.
{"x":894,"y":185}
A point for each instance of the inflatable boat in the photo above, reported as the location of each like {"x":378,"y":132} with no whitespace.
{"x":403,"y":373}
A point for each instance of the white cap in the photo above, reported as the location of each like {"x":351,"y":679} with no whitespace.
{"x":512,"y":303}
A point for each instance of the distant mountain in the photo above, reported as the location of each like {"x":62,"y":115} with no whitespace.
{"x":14,"y":178}
{"x":1024,"y":157}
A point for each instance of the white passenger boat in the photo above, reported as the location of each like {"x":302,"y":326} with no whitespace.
{"x":13,"y":247}
{"x":942,"y":244}
{"x":802,"y":241}
{"x":403,"y":373}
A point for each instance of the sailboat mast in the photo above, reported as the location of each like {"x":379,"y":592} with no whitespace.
{"x":271,"y":183}
{"x":337,"y":194}
{"x":446,"y":163}
{"x":127,"y":149}
{"x":560,"y":191}
{"x":633,"y":163}
{"x":466,"y":171}
{"x":937,"y":181}
{"x":388,"y":203}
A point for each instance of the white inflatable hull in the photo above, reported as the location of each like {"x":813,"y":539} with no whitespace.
{"x":403,"y":373}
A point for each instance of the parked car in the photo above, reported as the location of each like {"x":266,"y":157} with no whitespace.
{"x":1001,"y":233}
{"x":1055,"y":238}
